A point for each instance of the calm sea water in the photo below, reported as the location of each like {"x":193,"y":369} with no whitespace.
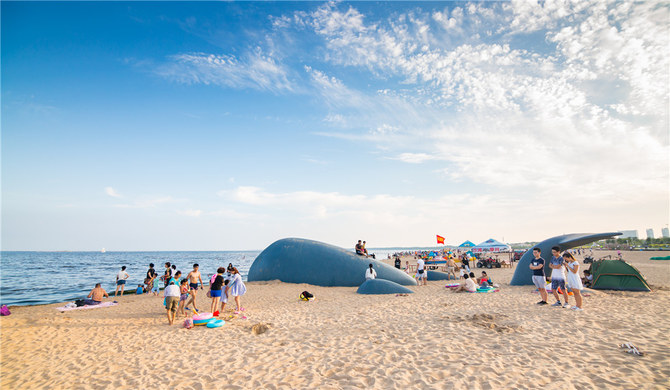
{"x":35,"y":278}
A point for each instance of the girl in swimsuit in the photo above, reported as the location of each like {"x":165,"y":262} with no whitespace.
{"x":183,"y":287}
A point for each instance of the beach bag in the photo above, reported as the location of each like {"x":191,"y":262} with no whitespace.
{"x":4,"y":310}
{"x":209,"y":293}
{"x":306,"y":295}
{"x":188,"y":323}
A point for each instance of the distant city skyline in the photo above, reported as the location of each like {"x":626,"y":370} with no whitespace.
{"x":229,"y":125}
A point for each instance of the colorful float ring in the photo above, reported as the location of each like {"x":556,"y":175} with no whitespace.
{"x":214,"y":323}
{"x":202,"y":318}
{"x":486,"y":290}
{"x":452,"y":285}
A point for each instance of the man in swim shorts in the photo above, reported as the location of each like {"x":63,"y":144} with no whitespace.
{"x":193,"y":278}
{"x":558,"y":277}
{"x":537,"y":265}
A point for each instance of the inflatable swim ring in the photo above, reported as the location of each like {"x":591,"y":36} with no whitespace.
{"x":486,"y":290}
{"x":452,"y":285}
{"x":213,"y":323}
{"x":202,"y":318}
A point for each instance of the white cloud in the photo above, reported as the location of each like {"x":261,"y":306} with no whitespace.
{"x":253,"y":70}
{"x":190,"y":213}
{"x":593,"y":110}
{"x":112,"y":192}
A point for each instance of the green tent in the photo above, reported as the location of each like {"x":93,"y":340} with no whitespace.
{"x":617,"y":275}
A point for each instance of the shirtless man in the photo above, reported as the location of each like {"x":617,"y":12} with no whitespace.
{"x":193,"y":278}
{"x":451,"y":267}
{"x":95,"y":296}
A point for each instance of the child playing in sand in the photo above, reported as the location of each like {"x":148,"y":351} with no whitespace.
{"x":237,"y":289}
{"x":574,"y":282}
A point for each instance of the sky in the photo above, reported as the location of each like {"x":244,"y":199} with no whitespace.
{"x":229,"y":125}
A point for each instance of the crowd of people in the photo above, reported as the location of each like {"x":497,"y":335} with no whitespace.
{"x":180,"y":293}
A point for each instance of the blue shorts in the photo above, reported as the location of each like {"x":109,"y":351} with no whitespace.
{"x":215,"y":293}
{"x":194,"y":286}
{"x":120,"y":282}
{"x":556,"y":283}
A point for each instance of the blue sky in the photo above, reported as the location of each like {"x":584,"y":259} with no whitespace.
{"x":225,"y":126}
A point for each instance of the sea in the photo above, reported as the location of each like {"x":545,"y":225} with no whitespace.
{"x":37,"y":278}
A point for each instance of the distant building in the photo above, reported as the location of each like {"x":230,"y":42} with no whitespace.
{"x":650,"y":233}
{"x":665,"y":233}
{"x":628,"y":234}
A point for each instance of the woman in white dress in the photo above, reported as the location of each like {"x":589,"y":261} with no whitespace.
{"x":236,"y":288}
{"x":573,"y":279}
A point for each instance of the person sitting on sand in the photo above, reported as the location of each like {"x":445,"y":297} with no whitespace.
{"x":121,"y":280}
{"x":237,"y":289}
{"x":370,"y":273}
{"x":468,"y":286}
{"x":484,"y":280}
{"x":171,"y":294}
{"x":587,"y":279}
{"x":96,"y":295}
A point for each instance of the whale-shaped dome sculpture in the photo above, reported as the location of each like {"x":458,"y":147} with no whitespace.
{"x":297,"y":260}
{"x":381,"y":286}
{"x":524,"y":275}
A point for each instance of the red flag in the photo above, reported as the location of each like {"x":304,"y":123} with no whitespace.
{"x":440,"y":240}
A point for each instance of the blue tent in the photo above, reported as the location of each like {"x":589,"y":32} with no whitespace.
{"x":467,"y":244}
{"x":492,"y":245}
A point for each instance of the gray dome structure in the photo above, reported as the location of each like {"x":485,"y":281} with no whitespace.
{"x":524,"y":276}
{"x":381,"y":286}
{"x":297,"y":260}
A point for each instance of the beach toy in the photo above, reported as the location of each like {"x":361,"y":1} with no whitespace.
{"x":451,"y":285}
{"x":202,"y":318}
{"x":215,"y":323}
{"x":188,"y":323}
{"x":486,"y":290}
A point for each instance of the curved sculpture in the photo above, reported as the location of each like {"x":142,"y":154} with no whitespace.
{"x":297,"y":260}
{"x":523,"y":274}
{"x":381,"y":286}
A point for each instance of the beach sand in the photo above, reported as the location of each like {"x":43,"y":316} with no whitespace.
{"x":433,"y":338}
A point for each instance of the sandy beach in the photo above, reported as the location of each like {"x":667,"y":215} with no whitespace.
{"x":430,"y":339}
